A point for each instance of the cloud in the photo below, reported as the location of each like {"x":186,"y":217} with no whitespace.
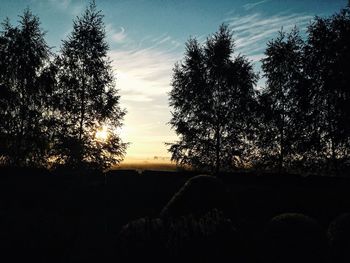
{"x":61,"y":3}
{"x":253,"y":31}
{"x":250,"y":6}
{"x":116,"y":35}
{"x":145,"y":70}
{"x":73,"y":7}
{"x":143,"y":75}
{"x":119,"y":36}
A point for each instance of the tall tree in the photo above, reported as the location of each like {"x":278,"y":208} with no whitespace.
{"x":212,"y":98}
{"x":327,"y":57}
{"x":281,"y":100}
{"x":24,"y":56}
{"x":88,"y":99}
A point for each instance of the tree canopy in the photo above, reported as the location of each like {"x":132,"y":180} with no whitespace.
{"x":212,"y":98}
{"x":305,"y":104}
{"x":281,"y":100}
{"x":298,"y":121}
{"x":88,"y":100}
{"x":52,"y":106}
{"x":24,"y":55}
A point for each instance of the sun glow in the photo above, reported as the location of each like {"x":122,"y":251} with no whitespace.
{"x":102,"y":134}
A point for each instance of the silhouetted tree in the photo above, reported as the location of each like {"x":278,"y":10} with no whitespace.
{"x":282,"y":100}
{"x":212,"y":99}
{"x":88,"y":99}
{"x":327,"y":57}
{"x":24,"y":56}
{"x":305,"y":105}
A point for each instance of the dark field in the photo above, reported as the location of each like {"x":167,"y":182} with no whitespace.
{"x":148,"y":165}
{"x":64,"y":218}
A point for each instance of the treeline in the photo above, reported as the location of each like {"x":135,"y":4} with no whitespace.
{"x":52,"y":105}
{"x":298,"y":122}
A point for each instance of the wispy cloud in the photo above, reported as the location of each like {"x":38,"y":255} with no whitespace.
{"x":70,"y":6}
{"x":253,"y":31}
{"x":120,"y":36}
{"x":61,"y":3}
{"x":143,"y":72}
{"x":250,"y":6}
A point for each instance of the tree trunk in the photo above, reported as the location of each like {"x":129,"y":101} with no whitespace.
{"x":80,"y":154}
{"x":334,"y":158}
{"x":282,"y":140}
{"x":82,"y":108}
{"x":217,"y":150}
{"x":20,"y":138}
{"x":281,"y":157}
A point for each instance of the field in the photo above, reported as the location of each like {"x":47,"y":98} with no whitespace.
{"x":147,"y":164}
{"x":65,"y":218}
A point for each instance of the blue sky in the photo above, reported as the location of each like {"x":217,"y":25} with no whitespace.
{"x":146,"y":38}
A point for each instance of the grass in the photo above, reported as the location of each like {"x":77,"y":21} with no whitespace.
{"x":61,"y":218}
{"x":147,"y":164}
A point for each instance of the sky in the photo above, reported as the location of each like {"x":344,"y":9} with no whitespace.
{"x":147,"y":37}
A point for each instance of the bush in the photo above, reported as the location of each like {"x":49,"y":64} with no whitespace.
{"x":143,"y":239}
{"x":295,"y":237}
{"x":210,"y":238}
{"x":339,"y":238}
{"x":197,"y":196}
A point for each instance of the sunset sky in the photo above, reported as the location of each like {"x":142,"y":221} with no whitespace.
{"x":146,"y":38}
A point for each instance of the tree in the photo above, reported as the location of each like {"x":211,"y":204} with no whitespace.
{"x":212,"y":98}
{"x":87,"y":99}
{"x":327,"y":60}
{"x":282,"y":100}
{"x":24,"y":55}
{"x":305,"y":106}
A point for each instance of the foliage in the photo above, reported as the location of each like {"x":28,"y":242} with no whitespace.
{"x":305,"y":120}
{"x":293,"y":237}
{"x":212,"y":98}
{"x":327,"y":59}
{"x":86,"y":97}
{"x":198,"y":195}
{"x":52,"y":107}
{"x":211,"y":237}
{"x":338,"y":234}
{"x":24,"y":58}
{"x":281,"y":100}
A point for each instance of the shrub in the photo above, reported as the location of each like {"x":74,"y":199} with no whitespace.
{"x":209,"y":238}
{"x":339,"y":238}
{"x":143,"y":239}
{"x":295,"y":237}
{"x":197,"y":196}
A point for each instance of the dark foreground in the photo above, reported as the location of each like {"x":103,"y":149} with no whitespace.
{"x":47,"y":217}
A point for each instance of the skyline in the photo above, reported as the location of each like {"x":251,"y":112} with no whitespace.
{"x":145,"y":45}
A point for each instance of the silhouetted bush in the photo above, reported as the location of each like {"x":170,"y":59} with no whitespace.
{"x":143,"y":239}
{"x":210,"y":238}
{"x":293,"y":237}
{"x":339,"y":238}
{"x":198,"y":195}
